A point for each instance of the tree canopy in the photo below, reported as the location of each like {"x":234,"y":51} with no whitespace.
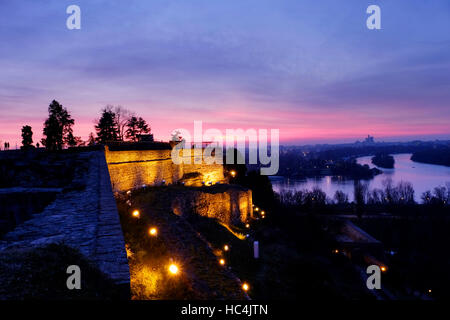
{"x":135,"y":127}
{"x":27,"y":137}
{"x":106,"y":127}
{"x":57,"y":127}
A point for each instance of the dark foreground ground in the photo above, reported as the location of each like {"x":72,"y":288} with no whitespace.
{"x":40,"y":274}
{"x":297,"y":265}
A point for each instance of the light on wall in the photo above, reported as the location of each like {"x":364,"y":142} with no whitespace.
{"x":136,"y":213}
{"x":173,"y":269}
{"x":153,"y":231}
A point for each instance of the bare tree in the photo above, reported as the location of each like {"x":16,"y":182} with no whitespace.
{"x":340,"y":197}
{"x":406,"y":192}
{"x":122,"y":117}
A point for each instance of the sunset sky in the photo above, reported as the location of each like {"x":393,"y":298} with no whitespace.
{"x":309,"y":68}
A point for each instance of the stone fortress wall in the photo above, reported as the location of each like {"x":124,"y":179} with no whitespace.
{"x":82,"y":213}
{"x":229,"y":204}
{"x":131,"y":169}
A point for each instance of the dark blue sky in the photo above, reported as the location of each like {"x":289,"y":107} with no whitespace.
{"x":309,"y":68}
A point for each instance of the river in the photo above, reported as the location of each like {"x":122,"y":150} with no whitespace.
{"x":422,"y":176}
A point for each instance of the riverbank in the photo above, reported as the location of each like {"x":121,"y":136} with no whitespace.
{"x":440,"y":156}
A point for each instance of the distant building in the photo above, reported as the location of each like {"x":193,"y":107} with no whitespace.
{"x":369,"y":139}
{"x":366,"y":141}
{"x":144,"y":137}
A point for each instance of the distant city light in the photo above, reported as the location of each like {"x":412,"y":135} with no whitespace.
{"x":136,"y":213}
{"x":245,"y":287}
{"x":383,"y":268}
{"x":222,"y":261}
{"x":153,"y":231}
{"x":173,"y":268}
{"x":233,"y":173}
{"x":336,"y":251}
{"x":226,"y":247}
{"x":256,"y":209}
{"x":247,"y":226}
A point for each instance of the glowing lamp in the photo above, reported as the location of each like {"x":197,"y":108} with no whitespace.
{"x":383,"y":269}
{"x":256,"y":209}
{"x":222,"y":262}
{"x":336,"y":251}
{"x":429,"y":290}
{"x":263,"y":213}
{"x":153,"y":231}
{"x":173,"y":269}
{"x":233,"y":173}
{"x":245,"y":287}
{"x":247,"y":226}
{"x":136,"y":213}
{"x":226,"y":247}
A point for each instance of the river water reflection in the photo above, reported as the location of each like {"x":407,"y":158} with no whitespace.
{"x":422,"y":176}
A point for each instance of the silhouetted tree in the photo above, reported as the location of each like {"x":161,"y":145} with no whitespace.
{"x":106,"y":127}
{"x":440,"y":196}
{"x":122,"y":117}
{"x":360,"y":196}
{"x":340,"y":197}
{"x":73,"y":141}
{"x":262,"y":191}
{"x":427,"y":197}
{"x":237,"y":170}
{"x":136,"y":126}
{"x":376,"y":197}
{"x":405,"y":192}
{"x":57,"y":126}
{"x":27,"y":137}
{"x":91,"y":140}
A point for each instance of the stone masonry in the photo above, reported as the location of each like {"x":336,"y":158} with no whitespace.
{"x":85,"y":219}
